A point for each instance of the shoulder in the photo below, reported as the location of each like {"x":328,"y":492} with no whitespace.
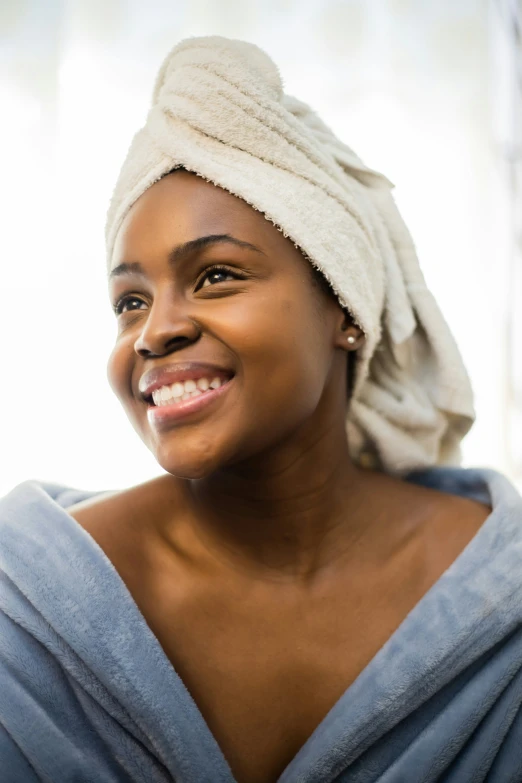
{"x":122,"y":522}
{"x":125,"y":506}
{"x":479,"y":506}
{"x":424,"y":525}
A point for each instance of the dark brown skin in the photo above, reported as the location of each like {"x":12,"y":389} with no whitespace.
{"x":269,"y":566}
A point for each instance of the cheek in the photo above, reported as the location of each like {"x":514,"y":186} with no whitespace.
{"x":269,"y":321}
{"x":119,"y":369}
{"x":294,"y":335}
{"x":284,"y":351}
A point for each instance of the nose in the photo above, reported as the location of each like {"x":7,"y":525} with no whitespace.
{"x":167,"y":328}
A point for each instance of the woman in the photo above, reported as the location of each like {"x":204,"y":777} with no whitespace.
{"x":290,"y":600}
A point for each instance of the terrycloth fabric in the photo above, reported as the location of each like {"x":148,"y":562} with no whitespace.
{"x":219,"y":110}
{"x":87,"y":694}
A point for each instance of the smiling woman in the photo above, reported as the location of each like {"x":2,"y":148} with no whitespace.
{"x":312,"y":590}
{"x":223,"y":295}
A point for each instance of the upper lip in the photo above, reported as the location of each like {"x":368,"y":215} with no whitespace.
{"x":180,"y":371}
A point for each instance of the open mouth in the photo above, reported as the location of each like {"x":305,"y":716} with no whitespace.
{"x":181,"y":392}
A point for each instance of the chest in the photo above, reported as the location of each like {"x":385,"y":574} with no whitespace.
{"x":265,"y":666}
{"x":265,"y":671}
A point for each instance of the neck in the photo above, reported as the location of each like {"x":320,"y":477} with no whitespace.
{"x":285,"y":516}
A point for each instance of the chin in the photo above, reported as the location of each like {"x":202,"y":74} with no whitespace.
{"x":187,"y":463}
{"x":187,"y":472}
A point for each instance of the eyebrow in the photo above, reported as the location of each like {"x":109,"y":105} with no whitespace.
{"x":180,"y":252}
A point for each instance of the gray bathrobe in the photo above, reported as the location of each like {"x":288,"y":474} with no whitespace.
{"x":87,"y":694}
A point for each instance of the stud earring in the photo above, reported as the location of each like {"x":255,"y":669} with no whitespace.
{"x":351,"y":339}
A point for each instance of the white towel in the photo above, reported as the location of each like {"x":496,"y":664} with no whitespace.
{"x":219,"y":110}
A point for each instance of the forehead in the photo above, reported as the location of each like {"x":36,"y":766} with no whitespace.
{"x":181,"y":207}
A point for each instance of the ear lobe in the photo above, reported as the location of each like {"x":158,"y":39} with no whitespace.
{"x":350,"y":337}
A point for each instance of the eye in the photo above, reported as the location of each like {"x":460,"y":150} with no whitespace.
{"x":216,"y":274}
{"x":121,"y":303}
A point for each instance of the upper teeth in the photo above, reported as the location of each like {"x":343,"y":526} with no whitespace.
{"x":182,"y":391}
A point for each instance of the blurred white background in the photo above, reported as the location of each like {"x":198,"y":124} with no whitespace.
{"x":427,"y":92}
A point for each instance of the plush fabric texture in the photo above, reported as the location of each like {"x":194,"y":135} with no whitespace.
{"x":87,"y":694}
{"x":219,"y":110}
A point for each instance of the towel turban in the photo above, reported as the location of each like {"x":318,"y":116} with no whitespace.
{"x":219,"y":110}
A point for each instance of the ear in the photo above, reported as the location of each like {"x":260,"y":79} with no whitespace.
{"x":348,"y":335}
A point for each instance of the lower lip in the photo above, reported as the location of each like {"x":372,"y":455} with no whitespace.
{"x":163,"y":415}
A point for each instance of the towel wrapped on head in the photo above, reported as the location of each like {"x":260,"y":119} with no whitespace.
{"x":219,"y":110}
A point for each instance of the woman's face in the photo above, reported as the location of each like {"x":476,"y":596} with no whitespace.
{"x":247,"y":314}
